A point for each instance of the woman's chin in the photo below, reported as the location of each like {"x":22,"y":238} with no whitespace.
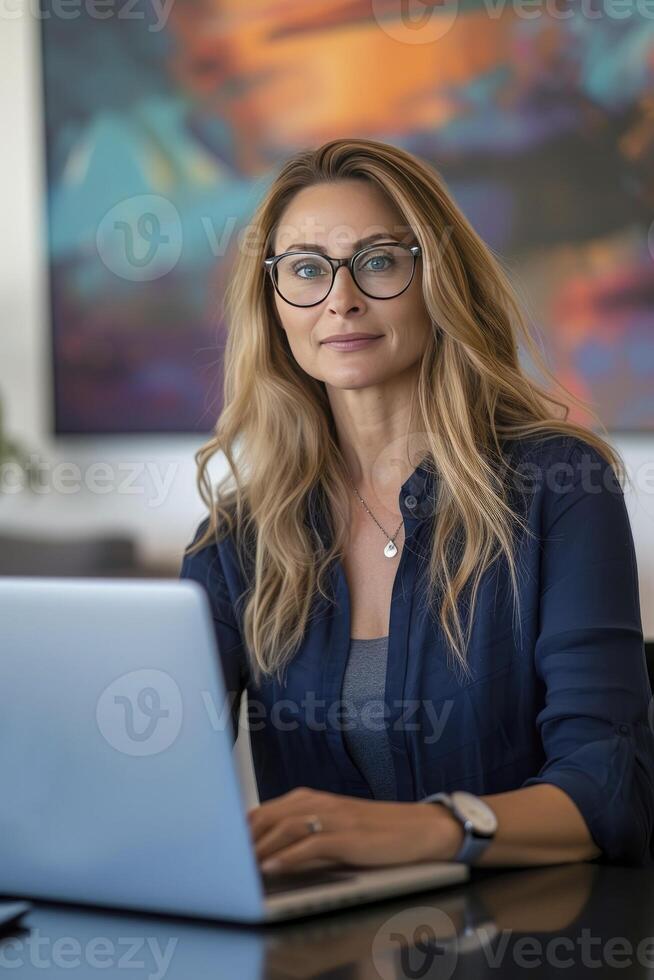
{"x":352,"y":381}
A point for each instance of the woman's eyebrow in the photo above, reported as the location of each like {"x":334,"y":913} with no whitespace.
{"x":313,"y":247}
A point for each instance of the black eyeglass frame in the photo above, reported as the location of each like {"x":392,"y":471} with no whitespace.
{"x":271,"y":262}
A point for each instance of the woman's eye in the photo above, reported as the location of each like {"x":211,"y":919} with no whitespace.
{"x":313,"y":271}
{"x":379,"y":263}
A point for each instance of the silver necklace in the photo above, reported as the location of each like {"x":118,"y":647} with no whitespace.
{"x":390,"y":550}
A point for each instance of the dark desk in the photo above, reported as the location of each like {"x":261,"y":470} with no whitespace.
{"x":570,"y":920}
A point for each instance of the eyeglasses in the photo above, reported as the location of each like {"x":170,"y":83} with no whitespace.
{"x":381,"y":271}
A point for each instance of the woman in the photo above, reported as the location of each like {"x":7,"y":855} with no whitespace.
{"x":390,"y":500}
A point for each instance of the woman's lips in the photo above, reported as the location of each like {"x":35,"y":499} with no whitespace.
{"x":351,"y":344}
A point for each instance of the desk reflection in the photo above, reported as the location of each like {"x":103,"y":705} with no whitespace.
{"x":561,"y":920}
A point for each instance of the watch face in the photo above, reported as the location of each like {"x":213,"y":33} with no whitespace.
{"x":479,"y":813}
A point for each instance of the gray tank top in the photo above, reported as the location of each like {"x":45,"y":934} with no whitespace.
{"x":365,"y":733}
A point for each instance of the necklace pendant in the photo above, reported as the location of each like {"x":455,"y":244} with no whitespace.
{"x":390,"y":550}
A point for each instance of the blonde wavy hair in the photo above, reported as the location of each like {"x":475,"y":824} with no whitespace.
{"x":277,"y":433}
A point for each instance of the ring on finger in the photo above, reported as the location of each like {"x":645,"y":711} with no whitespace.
{"x":314,"y":823}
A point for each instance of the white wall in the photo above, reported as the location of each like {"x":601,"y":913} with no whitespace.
{"x":162,"y":516}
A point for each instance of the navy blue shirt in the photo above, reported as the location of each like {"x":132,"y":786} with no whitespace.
{"x":562,"y":698}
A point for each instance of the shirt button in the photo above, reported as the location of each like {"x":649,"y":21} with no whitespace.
{"x":624,"y":729}
{"x":410,"y":501}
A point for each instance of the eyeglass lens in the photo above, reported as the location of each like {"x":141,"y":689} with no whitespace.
{"x":305,"y":278}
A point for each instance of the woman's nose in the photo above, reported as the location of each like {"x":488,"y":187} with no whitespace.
{"x":345,"y":294}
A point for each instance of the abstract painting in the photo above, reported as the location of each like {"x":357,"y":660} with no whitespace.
{"x":165,"y":121}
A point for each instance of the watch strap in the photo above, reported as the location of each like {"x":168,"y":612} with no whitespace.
{"x":472,"y":846}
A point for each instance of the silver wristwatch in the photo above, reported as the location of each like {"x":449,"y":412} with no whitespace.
{"x":475,"y":816}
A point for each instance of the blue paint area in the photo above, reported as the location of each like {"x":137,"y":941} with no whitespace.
{"x":594,"y":359}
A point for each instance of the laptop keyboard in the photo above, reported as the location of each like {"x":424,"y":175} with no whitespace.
{"x":273,"y":884}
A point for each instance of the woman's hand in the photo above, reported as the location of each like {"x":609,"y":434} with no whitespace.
{"x":354,"y":831}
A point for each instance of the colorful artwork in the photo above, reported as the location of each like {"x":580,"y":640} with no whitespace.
{"x":166,"y":120}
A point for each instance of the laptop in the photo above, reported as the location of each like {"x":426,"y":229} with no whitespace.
{"x":120,"y":786}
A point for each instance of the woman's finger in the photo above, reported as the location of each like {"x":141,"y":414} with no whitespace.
{"x":285,"y":832}
{"x":310,"y":849}
{"x":299,"y":800}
